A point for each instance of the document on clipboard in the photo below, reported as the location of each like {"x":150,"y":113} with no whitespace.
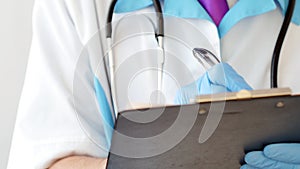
{"x":181,"y":137}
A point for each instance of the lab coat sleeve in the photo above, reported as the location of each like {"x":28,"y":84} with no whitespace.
{"x":48,"y":127}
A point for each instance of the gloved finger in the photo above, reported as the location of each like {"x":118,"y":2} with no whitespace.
{"x":188,"y":92}
{"x":246,"y":166}
{"x":206,"y":87}
{"x":259,"y":160}
{"x":179,"y":97}
{"x":288,"y":153}
{"x":131,"y":5}
{"x":200,"y":87}
{"x":223,"y":74}
{"x":213,"y":89}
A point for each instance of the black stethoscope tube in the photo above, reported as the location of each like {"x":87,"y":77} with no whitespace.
{"x":159,"y":36}
{"x":160,"y":17}
{"x":158,"y":11}
{"x":109,"y":18}
{"x":279,"y":43}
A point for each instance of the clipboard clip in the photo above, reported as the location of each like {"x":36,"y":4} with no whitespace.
{"x":243,"y":95}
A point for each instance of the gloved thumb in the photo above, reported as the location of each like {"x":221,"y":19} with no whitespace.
{"x":224,"y":75}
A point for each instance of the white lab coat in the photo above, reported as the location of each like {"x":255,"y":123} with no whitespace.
{"x":56,"y":120}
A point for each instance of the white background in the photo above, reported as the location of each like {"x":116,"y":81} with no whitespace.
{"x":15,"y":38}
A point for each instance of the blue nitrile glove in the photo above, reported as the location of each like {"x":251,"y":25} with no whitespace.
{"x":220,"y":78}
{"x":274,"y":156}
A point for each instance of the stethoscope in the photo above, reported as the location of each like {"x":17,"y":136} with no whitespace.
{"x":159,"y":35}
{"x":202,"y":55}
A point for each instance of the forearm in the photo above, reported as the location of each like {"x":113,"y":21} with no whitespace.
{"x":80,"y":162}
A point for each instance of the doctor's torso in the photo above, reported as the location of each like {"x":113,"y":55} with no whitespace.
{"x":58,"y":111}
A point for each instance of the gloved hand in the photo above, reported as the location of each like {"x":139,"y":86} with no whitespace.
{"x":274,"y":156}
{"x":220,"y":78}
